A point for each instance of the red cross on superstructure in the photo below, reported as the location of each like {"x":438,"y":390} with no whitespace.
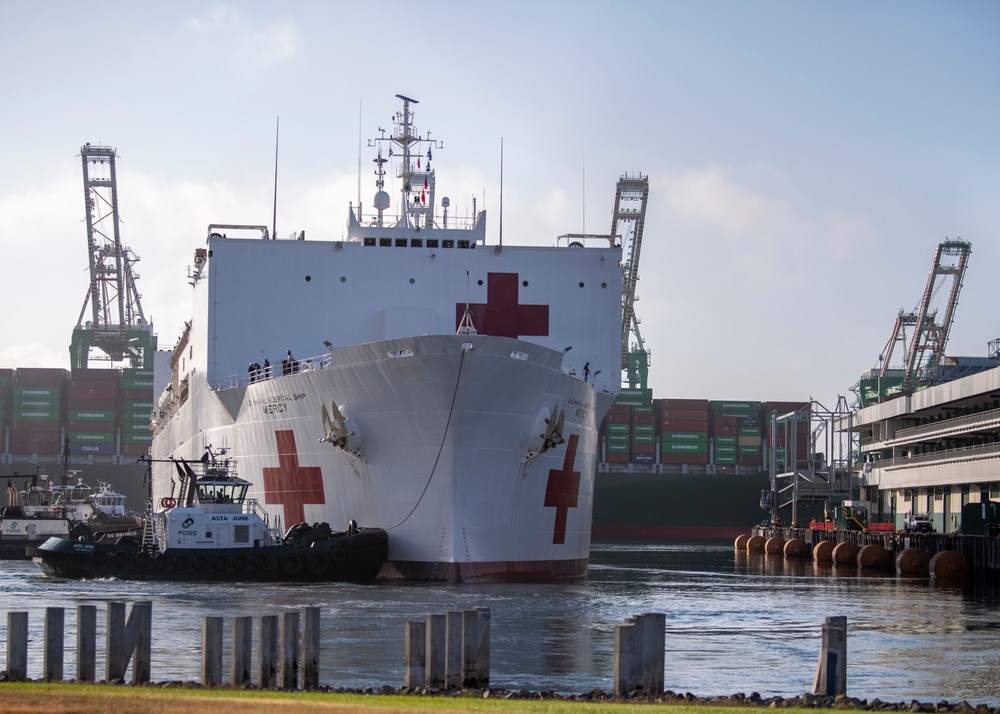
{"x":502,"y":315}
{"x":563,"y":490}
{"x":290,"y":484}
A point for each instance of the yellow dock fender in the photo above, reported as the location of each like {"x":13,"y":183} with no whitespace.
{"x":741,"y":542}
{"x":774,"y":545}
{"x":755,"y":544}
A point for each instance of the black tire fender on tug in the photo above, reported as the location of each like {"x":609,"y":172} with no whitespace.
{"x":142,"y":559}
{"x":261,"y":561}
{"x":161,"y":561}
{"x":291,"y":564}
{"x":199,"y":562}
{"x":119,"y":559}
{"x":220,"y":563}
{"x":339,"y":556}
{"x":180,"y":562}
{"x":98,"y":557}
{"x":318,"y":562}
{"x":241,"y":562}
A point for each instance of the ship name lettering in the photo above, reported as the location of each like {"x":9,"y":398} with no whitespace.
{"x":189,"y":533}
{"x":220,"y":518}
{"x":241,"y":518}
{"x":274,"y":408}
{"x":581,"y":413}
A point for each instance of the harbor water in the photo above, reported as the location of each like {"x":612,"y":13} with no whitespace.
{"x":736,"y":622}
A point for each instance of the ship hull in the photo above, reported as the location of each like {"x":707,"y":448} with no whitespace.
{"x":444,"y":450}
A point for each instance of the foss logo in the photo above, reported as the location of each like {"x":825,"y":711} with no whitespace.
{"x":188,"y":522}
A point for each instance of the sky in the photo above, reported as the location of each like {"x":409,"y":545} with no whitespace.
{"x":805,"y":158}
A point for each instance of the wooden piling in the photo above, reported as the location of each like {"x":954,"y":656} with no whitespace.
{"x":211,"y":651}
{"x":52,"y":667}
{"x":310,"y":647}
{"x":129,"y":640}
{"x":289,"y":664}
{"x":623,"y":677}
{"x":86,"y":643}
{"x":476,"y":648}
{"x":17,"y":646}
{"x":639,"y":660}
{"x":831,"y":670}
{"x":434,"y":658}
{"x":242,"y":651}
{"x":415,"y":654}
{"x":268,"y":644}
{"x":453,"y":650}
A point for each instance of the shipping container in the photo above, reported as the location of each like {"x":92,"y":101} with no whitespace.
{"x":680,"y":459}
{"x":37,"y":393}
{"x":36,"y":414}
{"x":91,"y":390}
{"x":683,"y":447}
{"x":79,"y":403}
{"x":617,"y":458}
{"x":724,"y":430}
{"x":137,"y":438}
{"x":742,"y":450}
{"x":686,"y":414}
{"x":684,"y":425}
{"x":749,"y":441}
{"x":91,"y":437}
{"x":693,"y":404}
{"x":649,"y":419}
{"x":643,"y":449}
{"x":643,"y":458}
{"x":699,"y":437}
{"x":102,"y":426}
{"x":137,"y":394}
{"x":643,"y":439}
{"x":82,"y":449}
{"x":614,"y":428}
{"x":725,"y":440}
{"x":734,"y":406}
{"x":40,"y":377}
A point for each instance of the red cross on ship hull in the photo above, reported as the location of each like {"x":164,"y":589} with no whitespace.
{"x":563,"y":490}
{"x":291,"y":484}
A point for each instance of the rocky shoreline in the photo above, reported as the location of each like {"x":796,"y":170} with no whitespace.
{"x":804,"y":701}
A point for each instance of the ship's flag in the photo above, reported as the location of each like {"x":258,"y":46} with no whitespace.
{"x":429,"y":157}
{"x":418,"y":162}
{"x":423,"y":199}
{"x":425,"y":184}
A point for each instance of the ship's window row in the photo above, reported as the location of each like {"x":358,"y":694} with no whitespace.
{"x":417,"y":243}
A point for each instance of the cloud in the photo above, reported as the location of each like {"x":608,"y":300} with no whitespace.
{"x":245,"y":38}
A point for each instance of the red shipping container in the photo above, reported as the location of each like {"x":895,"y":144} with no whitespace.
{"x":96,"y":375}
{"x":27,"y":426}
{"x":676,"y":425}
{"x":725,"y":421}
{"x":643,"y":418}
{"x":686,"y":414}
{"x":643,"y":448}
{"x":135,"y":450}
{"x":725,"y":430}
{"x":99,"y":426}
{"x":137,"y":395}
{"x":40,"y":377}
{"x":615,"y":458}
{"x":82,"y":404}
{"x":92,"y":390}
{"x":694,"y":404}
{"x":691,"y":459}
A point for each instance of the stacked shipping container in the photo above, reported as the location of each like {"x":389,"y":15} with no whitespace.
{"x":102,"y":412}
{"x":695,"y":431}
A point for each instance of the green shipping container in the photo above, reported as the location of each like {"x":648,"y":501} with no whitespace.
{"x":33,"y":392}
{"x":86,"y":437}
{"x":749,"y":450}
{"x":36,"y":414}
{"x":137,"y":405}
{"x":618,"y":448}
{"x":698,"y":437}
{"x":642,"y":410}
{"x":734,"y":406}
{"x":619,"y":428}
{"x":137,"y":438}
{"x":138,"y":383}
{"x":725,"y":441}
{"x":36,"y":403}
{"x":725,"y":460}
{"x":725,"y":450}
{"x":749,"y":431}
{"x":90,"y":415}
{"x":644,"y":429}
{"x":643,"y":439}
{"x":674,"y":447}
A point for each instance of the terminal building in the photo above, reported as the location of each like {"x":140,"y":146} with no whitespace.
{"x":935,"y":451}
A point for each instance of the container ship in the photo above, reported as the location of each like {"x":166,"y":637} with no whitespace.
{"x":688,"y":469}
{"x":410,"y":377}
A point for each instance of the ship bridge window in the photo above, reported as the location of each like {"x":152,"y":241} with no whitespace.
{"x":222,"y":492}
{"x":385,"y":242}
{"x":369,"y":241}
{"x":401,"y":242}
{"x":417,"y":243}
{"x":432,"y":242}
{"x":463,"y":244}
{"x":448,"y":243}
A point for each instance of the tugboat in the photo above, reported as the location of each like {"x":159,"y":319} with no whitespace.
{"x":42,"y":510}
{"x":214,"y":532}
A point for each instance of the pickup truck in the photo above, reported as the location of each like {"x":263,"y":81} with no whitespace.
{"x":917,"y":523}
